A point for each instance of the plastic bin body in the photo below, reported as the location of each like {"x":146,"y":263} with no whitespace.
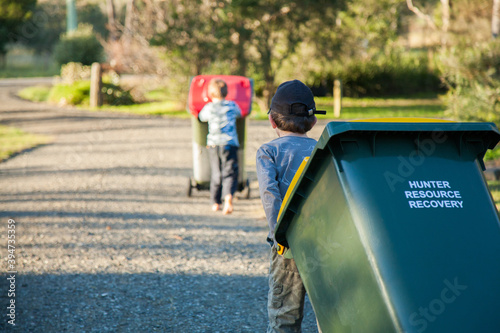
{"x":378,"y":255}
{"x":240,"y":90}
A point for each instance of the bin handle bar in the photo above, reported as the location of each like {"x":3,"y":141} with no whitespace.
{"x":373,"y":143}
{"x":280,"y":249}
{"x":335,"y":156}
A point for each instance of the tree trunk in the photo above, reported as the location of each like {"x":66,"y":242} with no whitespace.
{"x":113,"y":33}
{"x":419,"y":13}
{"x":445,"y":4}
{"x":495,"y":19}
{"x":71,"y":19}
{"x":129,"y":19}
{"x":268,"y":91}
{"x":241,"y":58}
{"x":266,"y":54}
{"x":3,"y":60}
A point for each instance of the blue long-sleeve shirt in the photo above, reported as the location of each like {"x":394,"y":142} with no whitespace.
{"x":277,"y":163}
{"x":221,"y":117}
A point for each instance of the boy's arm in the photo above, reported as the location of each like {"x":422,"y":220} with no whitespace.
{"x":267,"y":175}
{"x":237,"y":110}
{"x":204,"y":114}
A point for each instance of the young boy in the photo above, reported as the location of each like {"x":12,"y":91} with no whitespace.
{"x":292,"y":115}
{"x":222,"y":144}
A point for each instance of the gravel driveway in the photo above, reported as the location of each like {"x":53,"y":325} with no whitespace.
{"x":106,"y":239}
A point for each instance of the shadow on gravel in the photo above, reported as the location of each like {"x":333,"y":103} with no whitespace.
{"x":120,"y":221}
{"x":115,"y":171}
{"x":140,"y":303}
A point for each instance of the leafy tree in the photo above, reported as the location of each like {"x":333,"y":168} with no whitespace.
{"x":255,"y":35}
{"x":455,"y":20}
{"x":191,"y":37}
{"x":495,"y":19}
{"x":80,"y":46}
{"x":360,"y":32}
{"x":48,"y":22}
{"x":276,"y":29}
{"x":13,"y":13}
{"x":472,"y":75}
{"x":468,"y":60}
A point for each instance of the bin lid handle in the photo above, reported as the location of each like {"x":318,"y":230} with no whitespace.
{"x":284,"y":251}
{"x":294,"y":182}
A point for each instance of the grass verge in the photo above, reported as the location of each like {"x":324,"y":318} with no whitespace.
{"x":14,"y":140}
{"x":364,"y":108}
{"x":352,"y":108}
{"x":28,"y":70}
{"x":156,"y":108}
{"x":35,"y":94}
{"x":164,"y":108}
{"x":494,"y":186}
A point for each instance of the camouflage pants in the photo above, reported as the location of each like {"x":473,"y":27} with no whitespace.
{"x":285,"y":305}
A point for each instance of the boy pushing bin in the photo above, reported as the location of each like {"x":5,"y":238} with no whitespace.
{"x":239,"y":92}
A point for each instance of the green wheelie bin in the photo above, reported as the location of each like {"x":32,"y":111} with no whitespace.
{"x":393,"y":228}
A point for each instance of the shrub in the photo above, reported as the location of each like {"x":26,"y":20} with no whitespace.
{"x":74,"y":71}
{"x":395,"y":75}
{"x":390,"y":74}
{"x":472,"y":74}
{"x":36,"y":93}
{"x":70,"y":94}
{"x":78,"y":93}
{"x":115,"y":95}
{"x":80,"y":45}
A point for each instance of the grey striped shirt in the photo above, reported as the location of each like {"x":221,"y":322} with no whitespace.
{"x":221,"y":117}
{"x":277,"y":163}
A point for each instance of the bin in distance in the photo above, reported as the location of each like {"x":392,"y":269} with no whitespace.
{"x":240,"y":90}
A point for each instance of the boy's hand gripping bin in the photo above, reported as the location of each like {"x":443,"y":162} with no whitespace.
{"x":240,"y":90}
{"x":393,"y":228}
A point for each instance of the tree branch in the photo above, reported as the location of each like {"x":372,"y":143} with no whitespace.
{"x":495,"y":19}
{"x":417,"y":11}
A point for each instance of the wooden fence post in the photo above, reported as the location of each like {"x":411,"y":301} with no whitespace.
{"x":337,"y":98}
{"x":96,"y":85}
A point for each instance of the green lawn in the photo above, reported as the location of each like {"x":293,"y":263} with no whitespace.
{"x":161,"y":107}
{"x":364,"y":108}
{"x":35,"y":93}
{"x":165,"y":108}
{"x":14,"y":140}
{"x":352,"y":108}
{"x":28,"y":71}
{"x":494,"y":186}
{"x":384,"y":108}
{"x":22,"y":62}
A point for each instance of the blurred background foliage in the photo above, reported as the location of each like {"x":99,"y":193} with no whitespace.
{"x":377,"y":48}
{"x":80,"y":46}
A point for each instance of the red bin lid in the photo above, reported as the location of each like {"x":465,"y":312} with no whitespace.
{"x":239,"y":90}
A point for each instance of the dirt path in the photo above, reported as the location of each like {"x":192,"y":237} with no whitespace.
{"x":106,"y":239}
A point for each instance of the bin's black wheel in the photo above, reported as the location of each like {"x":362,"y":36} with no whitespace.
{"x":189,"y":188}
{"x":246,"y":190}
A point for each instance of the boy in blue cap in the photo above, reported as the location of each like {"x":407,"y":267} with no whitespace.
{"x":292,"y":115}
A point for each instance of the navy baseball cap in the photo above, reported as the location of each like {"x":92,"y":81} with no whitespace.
{"x":294,"y":98}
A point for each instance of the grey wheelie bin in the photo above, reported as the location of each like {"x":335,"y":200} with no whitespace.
{"x":240,"y":90}
{"x":393,"y":228}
